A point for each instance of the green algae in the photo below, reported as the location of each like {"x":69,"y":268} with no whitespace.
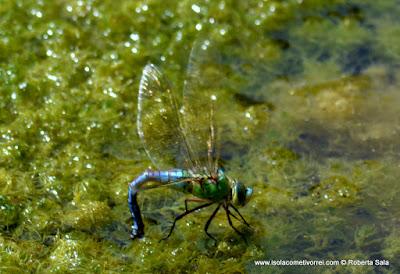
{"x":313,"y":99}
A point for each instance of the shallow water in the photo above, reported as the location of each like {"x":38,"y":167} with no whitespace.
{"x":312,"y":96}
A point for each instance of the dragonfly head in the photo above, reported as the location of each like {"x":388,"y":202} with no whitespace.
{"x":240,"y":193}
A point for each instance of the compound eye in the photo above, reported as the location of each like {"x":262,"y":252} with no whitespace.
{"x":239,"y":193}
{"x":249,"y":192}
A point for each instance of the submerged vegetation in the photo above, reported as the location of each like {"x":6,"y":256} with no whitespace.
{"x":314,"y":123}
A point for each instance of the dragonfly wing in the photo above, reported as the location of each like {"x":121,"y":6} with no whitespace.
{"x":202,"y":104}
{"x":158,"y":121}
{"x":214,"y":119}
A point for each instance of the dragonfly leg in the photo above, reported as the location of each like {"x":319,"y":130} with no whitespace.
{"x":234,"y":216}
{"x":209,"y":222}
{"x":237,"y":211}
{"x":183,"y":215}
{"x":197,"y":200}
{"x":231,"y":224}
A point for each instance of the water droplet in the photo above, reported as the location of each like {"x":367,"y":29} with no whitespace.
{"x":109,"y":91}
{"x":45,"y":136}
{"x":37,"y":13}
{"x":22,"y":85}
{"x":196,"y":8}
{"x":179,"y":36}
{"x":169,"y":13}
{"x":134,"y":50}
{"x":96,"y":13}
{"x":74,"y":58}
{"x":49,"y":52}
{"x":52,"y":77}
{"x":54,"y":192}
{"x":106,"y":32}
{"x":134,"y":36}
{"x":205,"y":44}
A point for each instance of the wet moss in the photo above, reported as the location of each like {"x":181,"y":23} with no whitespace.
{"x":9,"y":213}
{"x":392,"y":247}
{"x":87,"y":216}
{"x":335,"y":190}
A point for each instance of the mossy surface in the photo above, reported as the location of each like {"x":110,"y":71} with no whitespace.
{"x":313,"y":121}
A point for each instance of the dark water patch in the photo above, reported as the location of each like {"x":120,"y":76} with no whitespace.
{"x":306,"y":185}
{"x":320,"y":143}
{"x":9,"y":214}
{"x":247,"y":99}
{"x":156,"y":217}
{"x":291,"y":64}
{"x":323,"y":56}
{"x":281,"y":39}
{"x":391,"y":76}
{"x":347,"y":10}
{"x":362,"y":213}
{"x":310,"y":144}
{"x":358,"y":59}
{"x":116,"y":233}
{"x":230,"y":149}
{"x":49,"y":240}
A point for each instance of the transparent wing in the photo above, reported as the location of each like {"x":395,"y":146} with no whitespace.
{"x":217,"y":123}
{"x":204,"y":103}
{"x":158,"y":122}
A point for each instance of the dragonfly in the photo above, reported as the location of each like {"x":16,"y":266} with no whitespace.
{"x":186,"y":136}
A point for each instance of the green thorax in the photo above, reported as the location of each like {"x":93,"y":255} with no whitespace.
{"x":213,"y":190}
